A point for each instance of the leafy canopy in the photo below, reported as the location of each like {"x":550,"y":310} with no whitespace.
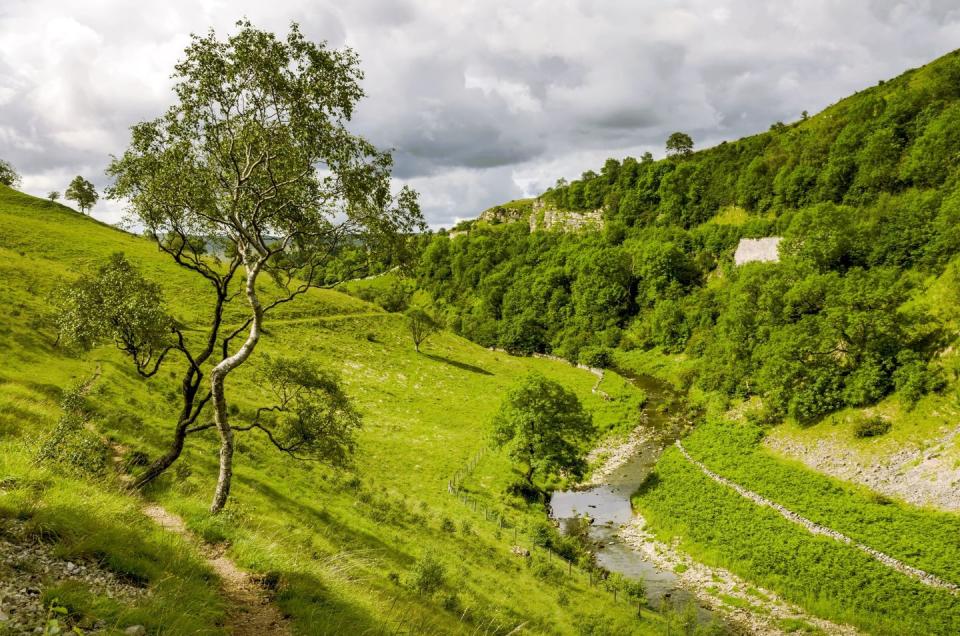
{"x":8,"y":175}
{"x":543,"y":426}
{"x":82,"y":192}
{"x":679,"y":143}
{"x":313,"y":418}
{"x":257,"y":153}
{"x":116,"y":303}
{"x":421,"y":325}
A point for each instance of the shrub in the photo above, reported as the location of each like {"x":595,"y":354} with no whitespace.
{"x":447,"y":525}
{"x":451,"y":602}
{"x":871,"y":427}
{"x":541,"y":533}
{"x":71,"y":444}
{"x":599,"y":357}
{"x":428,"y":575}
{"x":914,"y":378}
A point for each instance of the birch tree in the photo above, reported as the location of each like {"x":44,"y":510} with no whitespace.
{"x":256,"y":156}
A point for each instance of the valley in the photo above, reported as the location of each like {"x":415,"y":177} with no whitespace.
{"x":712,"y":392}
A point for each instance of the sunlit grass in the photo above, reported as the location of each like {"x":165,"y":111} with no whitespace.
{"x":338,"y":546}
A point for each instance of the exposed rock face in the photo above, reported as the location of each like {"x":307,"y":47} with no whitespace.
{"x":544,"y":217}
{"x":922,"y":476}
{"x":763,"y":250}
{"x":501,"y":214}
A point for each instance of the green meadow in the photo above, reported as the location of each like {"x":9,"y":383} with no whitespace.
{"x":341,"y":548}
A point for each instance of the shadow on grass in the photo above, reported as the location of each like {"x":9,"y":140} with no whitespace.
{"x":316,"y":609}
{"x":458,"y":364}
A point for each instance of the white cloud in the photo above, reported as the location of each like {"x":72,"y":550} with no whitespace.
{"x":482,"y":102}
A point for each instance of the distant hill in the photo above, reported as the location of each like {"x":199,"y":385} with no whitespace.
{"x":900,"y":134}
{"x":865,"y":193}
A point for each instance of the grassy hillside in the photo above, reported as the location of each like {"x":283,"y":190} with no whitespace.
{"x":842,"y":355}
{"x":829,"y":578}
{"x":339,"y":548}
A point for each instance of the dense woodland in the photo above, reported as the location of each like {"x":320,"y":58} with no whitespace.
{"x":866,"y":195}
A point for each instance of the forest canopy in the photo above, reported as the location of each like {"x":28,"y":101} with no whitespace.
{"x":866,"y":195}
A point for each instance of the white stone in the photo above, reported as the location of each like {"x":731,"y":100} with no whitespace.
{"x":763,"y":250}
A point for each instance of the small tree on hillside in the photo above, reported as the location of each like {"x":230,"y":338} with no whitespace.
{"x":83,"y":193}
{"x":53,"y":195}
{"x":117,"y":304}
{"x":421,"y":326}
{"x":542,"y":425}
{"x":309,"y":417}
{"x":8,"y":176}
{"x":679,"y":144}
{"x":256,"y":156}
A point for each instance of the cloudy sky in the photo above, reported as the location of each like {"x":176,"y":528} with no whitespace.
{"x":482,"y":102}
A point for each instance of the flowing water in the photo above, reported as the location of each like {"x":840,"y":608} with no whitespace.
{"x":609,"y":503}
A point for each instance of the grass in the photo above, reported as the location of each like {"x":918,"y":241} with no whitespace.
{"x":340,"y":546}
{"x":932,"y":417}
{"x":730,"y":215}
{"x":674,"y":369}
{"x":91,"y":520}
{"x":719,"y":527}
{"x":926,"y":539}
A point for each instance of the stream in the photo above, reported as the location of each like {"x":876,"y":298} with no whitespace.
{"x":608,"y":504}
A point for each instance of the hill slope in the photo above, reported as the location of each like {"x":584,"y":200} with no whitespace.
{"x":842,"y":355}
{"x":338,"y":550}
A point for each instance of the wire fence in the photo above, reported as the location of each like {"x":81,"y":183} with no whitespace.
{"x":523,"y":545}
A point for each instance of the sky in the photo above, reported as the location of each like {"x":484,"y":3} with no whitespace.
{"x":481,"y":102}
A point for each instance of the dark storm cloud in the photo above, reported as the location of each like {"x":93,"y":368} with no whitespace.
{"x":481,"y":102}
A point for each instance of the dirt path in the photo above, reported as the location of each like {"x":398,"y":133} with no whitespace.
{"x":251,"y":612}
{"x":815,"y":528}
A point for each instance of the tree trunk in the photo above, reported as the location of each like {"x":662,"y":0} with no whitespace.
{"x":162,"y":463}
{"x":226,"y":442}
{"x":188,"y":389}
{"x":217,"y":379}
